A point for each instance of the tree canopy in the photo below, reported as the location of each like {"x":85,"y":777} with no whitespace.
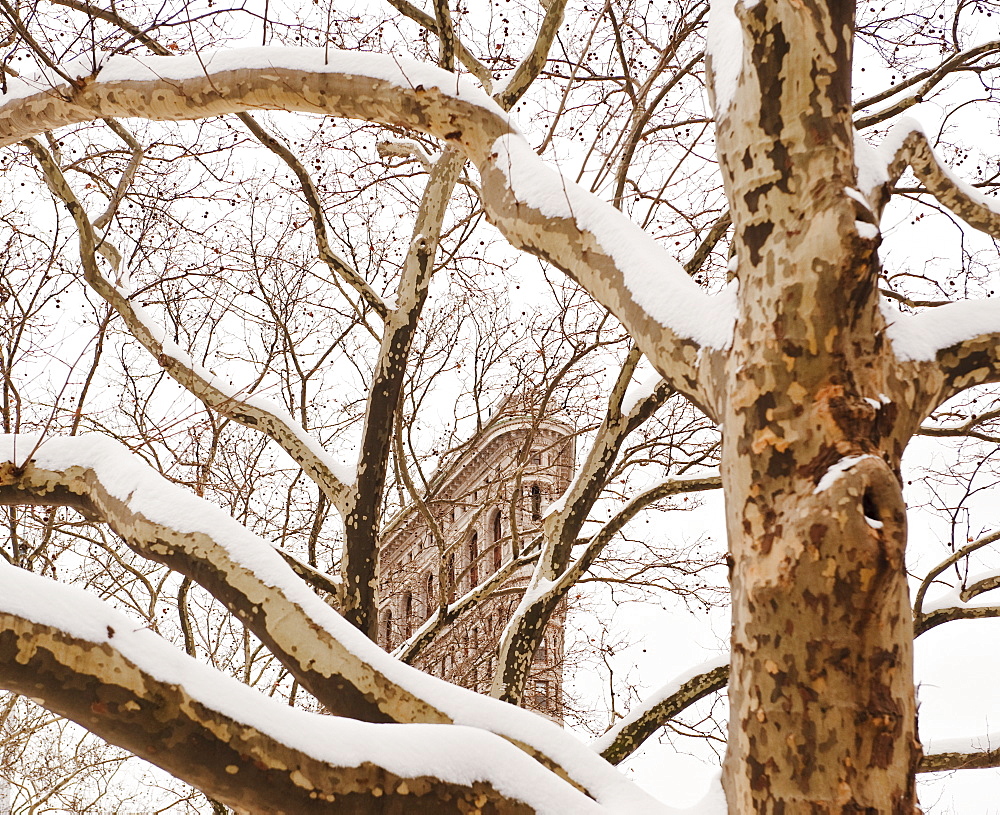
{"x":293,"y":281}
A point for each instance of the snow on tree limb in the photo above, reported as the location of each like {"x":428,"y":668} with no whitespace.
{"x":955,"y":346}
{"x":170,"y":525}
{"x":906,"y":145}
{"x":621,"y":740}
{"x":977,"y":753}
{"x":960,"y":339}
{"x":626,"y":270}
{"x":341,"y":667}
{"x":256,"y":412}
{"x":71,"y":653}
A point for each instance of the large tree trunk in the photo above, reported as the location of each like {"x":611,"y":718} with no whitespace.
{"x":822,"y":705}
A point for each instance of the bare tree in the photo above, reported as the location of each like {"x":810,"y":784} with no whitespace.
{"x":817,"y":381}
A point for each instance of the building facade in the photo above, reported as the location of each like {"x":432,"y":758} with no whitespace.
{"x":479,"y":515}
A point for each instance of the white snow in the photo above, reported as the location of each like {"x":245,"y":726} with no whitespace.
{"x":404,"y":73}
{"x":872,"y":167}
{"x":857,"y":196}
{"x":866,"y":230}
{"x":640,"y":388}
{"x":952,"y":598}
{"x":725,"y":47}
{"x":920,"y":337}
{"x":602,"y":742}
{"x":835,"y":471}
{"x":462,"y":755}
{"x":656,"y":281}
{"x":146,"y":492}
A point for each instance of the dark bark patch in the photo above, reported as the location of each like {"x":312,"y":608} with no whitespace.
{"x":754,"y":238}
{"x":970,"y":362}
{"x":817,"y":466}
{"x":769,"y":56}
{"x":753,"y":196}
{"x":869,"y":506}
{"x":780,"y":464}
{"x":759,"y":776}
{"x":782,"y":163}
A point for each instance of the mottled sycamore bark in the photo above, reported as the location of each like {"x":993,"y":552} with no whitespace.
{"x":96,"y":686}
{"x":816,"y":409}
{"x":816,"y":414}
{"x":346,"y":684}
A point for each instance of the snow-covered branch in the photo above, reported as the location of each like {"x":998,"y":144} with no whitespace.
{"x":341,"y":667}
{"x":538,"y":210}
{"x":625,"y":737}
{"x":907,"y":145}
{"x":950,"y":348}
{"x":953,"y":346}
{"x":954,"y":604}
{"x":976,"y":753}
{"x":167,"y":524}
{"x":76,"y":656}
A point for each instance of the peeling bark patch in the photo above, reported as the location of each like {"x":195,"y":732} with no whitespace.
{"x":782,"y":162}
{"x":769,"y":57}
{"x":754,"y":238}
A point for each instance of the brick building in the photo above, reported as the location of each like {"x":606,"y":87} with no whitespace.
{"x":463,"y":537}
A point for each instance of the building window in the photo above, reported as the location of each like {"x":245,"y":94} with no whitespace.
{"x":429,"y":590}
{"x":407,"y":614}
{"x":450,"y":569}
{"x":536,"y":459}
{"x":474,"y":560}
{"x":536,"y":503}
{"x":540,"y":688}
{"x":497,"y":537}
{"x":387,"y":627}
{"x":542,"y":652}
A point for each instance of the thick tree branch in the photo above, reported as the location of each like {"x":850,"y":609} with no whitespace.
{"x":531,"y":65}
{"x":910,"y":147}
{"x":556,"y":572}
{"x":938,"y":616}
{"x":342,"y":668}
{"x":360,"y":560}
{"x":955,"y":557}
{"x":534,"y":207}
{"x":971,"y":760}
{"x":624,"y":738}
{"x":239,"y":569}
{"x":69,"y":652}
